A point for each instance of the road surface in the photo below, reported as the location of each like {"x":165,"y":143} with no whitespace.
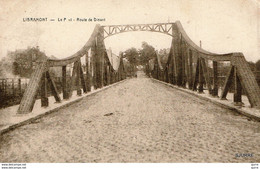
{"x":139,"y":120}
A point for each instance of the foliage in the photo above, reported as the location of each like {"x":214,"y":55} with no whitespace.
{"x":252,"y":66}
{"x":146,"y":53}
{"x":132,"y":56}
{"x":257,"y":65}
{"x":20,"y":63}
{"x":143,"y":55}
{"x":163,"y":55}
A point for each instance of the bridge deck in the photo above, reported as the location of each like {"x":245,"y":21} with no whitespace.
{"x":139,"y":120}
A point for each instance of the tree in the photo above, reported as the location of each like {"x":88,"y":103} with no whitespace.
{"x":146,"y":53}
{"x":163,"y":54}
{"x":21,"y":62}
{"x":257,"y":65}
{"x":132,"y":56}
{"x":252,"y":66}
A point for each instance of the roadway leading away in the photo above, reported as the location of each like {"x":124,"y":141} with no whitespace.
{"x":139,"y":120}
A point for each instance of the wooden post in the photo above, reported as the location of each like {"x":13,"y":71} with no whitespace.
{"x":64,"y":83}
{"x":238,"y":89}
{"x":215,"y":79}
{"x":44,"y":91}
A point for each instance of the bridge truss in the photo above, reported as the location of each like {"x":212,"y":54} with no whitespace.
{"x":99,"y":73}
{"x":165,"y":28}
{"x":186,"y":67}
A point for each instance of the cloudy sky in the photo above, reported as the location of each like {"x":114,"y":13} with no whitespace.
{"x":222,"y":25}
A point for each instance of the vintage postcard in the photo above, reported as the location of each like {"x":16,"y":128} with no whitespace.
{"x":120,"y":81}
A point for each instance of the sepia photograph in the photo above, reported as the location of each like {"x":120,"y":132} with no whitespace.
{"x":120,"y":83}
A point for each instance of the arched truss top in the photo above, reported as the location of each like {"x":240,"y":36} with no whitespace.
{"x":172,"y":29}
{"x":165,"y":28}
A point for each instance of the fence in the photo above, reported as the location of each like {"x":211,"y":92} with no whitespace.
{"x":12,"y":89}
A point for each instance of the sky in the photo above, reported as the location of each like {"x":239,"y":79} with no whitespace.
{"x":223,"y":26}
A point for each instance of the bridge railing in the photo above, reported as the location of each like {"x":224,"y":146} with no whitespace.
{"x":192,"y":67}
{"x":99,"y":72}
